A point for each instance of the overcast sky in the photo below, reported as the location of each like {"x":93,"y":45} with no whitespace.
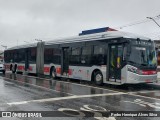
{"x":27,"y":20}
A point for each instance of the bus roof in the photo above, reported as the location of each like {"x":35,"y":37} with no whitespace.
{"x":90,"y":37}
{"x":23,"y":46}
{"x":97,"y":36}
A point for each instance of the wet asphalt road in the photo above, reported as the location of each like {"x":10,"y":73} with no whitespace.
{"x":65,"y":99}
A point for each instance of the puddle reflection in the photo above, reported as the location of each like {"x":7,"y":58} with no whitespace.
{"x":64,"y":87}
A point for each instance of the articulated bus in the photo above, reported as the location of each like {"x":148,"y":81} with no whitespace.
{"x":112,"y":57}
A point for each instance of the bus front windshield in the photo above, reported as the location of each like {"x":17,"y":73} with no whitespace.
{"x":143,"y":55}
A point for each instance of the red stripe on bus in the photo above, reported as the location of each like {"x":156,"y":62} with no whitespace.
{"x":30,"y":68}
{"x":46,"y":69}
{"x":148,"y":72}
{"x":58,"y":70}
{"x":20,"y":67}
{"x":70,"y":72}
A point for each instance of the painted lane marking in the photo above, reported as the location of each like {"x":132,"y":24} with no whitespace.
{"x":146,"y":91}
{"x":149,"y":91}
{"x":143,"y":96}
{"x":64,"y":98}
{"x":144,"y":103}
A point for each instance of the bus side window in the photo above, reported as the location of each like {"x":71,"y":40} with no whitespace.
{"x":56,"y":56}
{"x":86,"y":55}
{"x":75,"y":56}
{"x":48,"y":55}
{"x":99,"y":57}
{"x":16,"y":56}
{"x":22,"y":55}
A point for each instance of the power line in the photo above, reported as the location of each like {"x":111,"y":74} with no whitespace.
{"x":138,"y":22}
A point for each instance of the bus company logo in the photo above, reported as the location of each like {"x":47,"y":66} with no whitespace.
{"x":21,"y":114}
{"x":6,"y":114}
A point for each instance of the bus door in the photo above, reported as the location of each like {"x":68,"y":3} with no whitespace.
{"x":65,"y":61}
{"x":26,"y":59}
{"x":115,"y":62}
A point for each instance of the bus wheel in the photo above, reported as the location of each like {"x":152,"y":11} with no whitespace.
{"x":98,"y":78}
{"x":53,"y":73}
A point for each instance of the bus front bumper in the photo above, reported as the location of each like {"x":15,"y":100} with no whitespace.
{"x":136,"y":78}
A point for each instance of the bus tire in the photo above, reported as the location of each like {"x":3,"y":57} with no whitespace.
{"x":98,"y":78}
{"x":53,"y":73}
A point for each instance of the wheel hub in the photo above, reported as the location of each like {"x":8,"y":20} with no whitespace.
{"x":98,"y":77}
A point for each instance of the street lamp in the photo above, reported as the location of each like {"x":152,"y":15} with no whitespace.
{"x":153,"y":20}
{"x":5,"y":47}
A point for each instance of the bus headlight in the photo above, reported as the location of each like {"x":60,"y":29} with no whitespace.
{"x":142,"y":72}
